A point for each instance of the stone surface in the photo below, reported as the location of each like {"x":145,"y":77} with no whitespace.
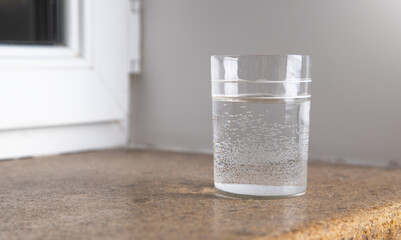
{"x":123,"y":194}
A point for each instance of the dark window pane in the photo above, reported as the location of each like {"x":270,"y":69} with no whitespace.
{"x":31,"y":22}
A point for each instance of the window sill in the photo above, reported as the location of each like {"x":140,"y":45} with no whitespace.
{"x":123,"y":194}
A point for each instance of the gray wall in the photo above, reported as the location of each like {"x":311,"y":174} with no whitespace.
{"x":356,"y":55}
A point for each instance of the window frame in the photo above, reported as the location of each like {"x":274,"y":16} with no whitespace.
{"x":71,"y":98}
{"x":75,"y":53}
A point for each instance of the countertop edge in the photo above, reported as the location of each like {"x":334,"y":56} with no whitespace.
{"x":375,"y":223}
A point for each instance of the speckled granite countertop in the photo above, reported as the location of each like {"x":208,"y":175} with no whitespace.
{"x":122,"y":194}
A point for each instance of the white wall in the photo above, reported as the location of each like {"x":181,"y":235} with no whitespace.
{"x":356,"y":55}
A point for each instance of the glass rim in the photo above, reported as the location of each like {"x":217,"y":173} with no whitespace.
{"x":259,"y":55}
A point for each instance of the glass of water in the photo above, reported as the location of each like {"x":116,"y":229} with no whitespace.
{"x":261,"y":106}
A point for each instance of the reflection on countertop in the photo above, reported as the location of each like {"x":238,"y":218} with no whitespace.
{"x":126,"y":194}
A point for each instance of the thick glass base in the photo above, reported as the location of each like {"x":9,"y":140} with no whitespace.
{"x":258,"y":191}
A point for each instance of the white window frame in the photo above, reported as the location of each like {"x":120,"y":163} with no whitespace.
{"x":47,"y":123}
{"x":76,"y":53}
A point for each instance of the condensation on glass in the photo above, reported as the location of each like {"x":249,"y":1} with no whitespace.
{"x":261,"y":106}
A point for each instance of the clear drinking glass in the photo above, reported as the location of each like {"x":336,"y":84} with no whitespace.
{"x":261,"y":106}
